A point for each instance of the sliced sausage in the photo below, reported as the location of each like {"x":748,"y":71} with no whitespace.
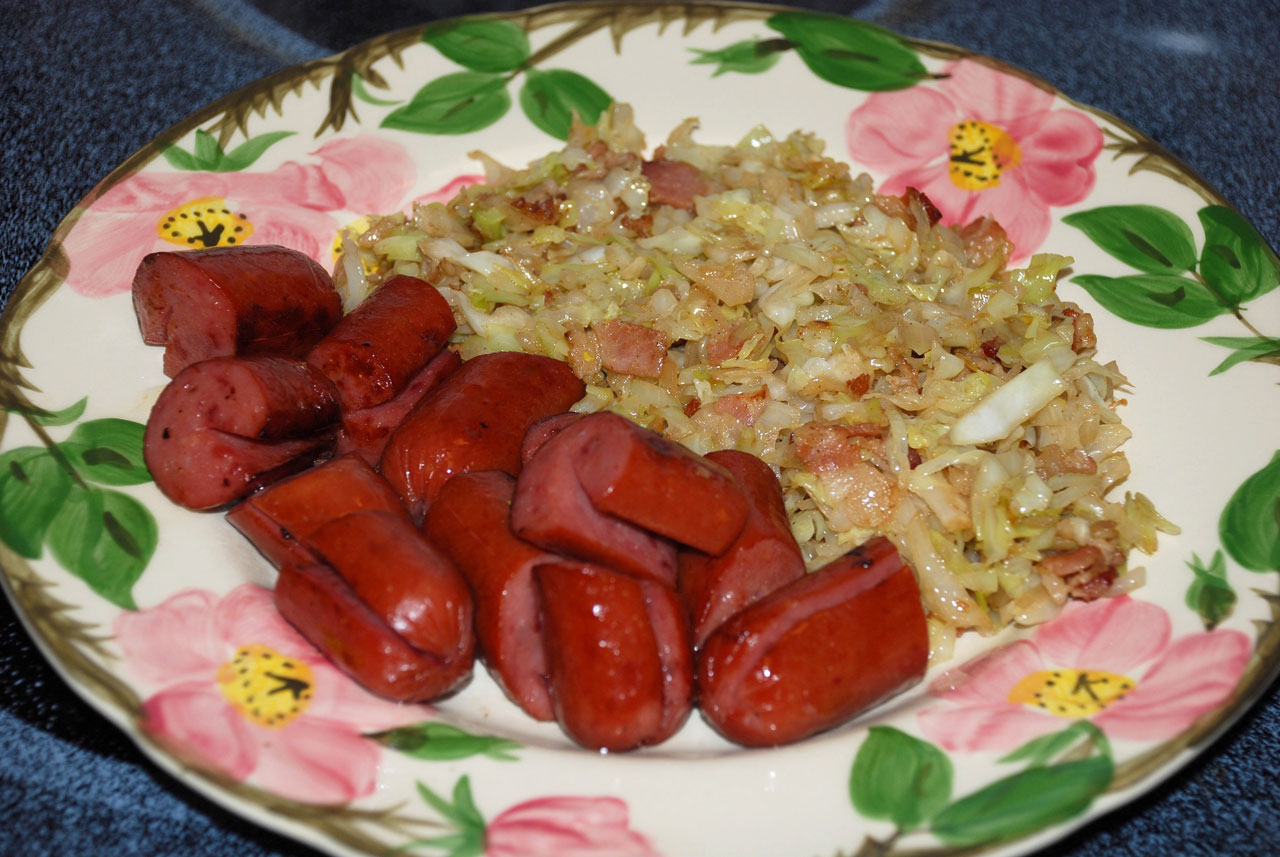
{"x":614,"y":682}
{"x":366,"y":431}
{"x":232,"y":300}
{"x":280,"y":519}
{"x":543,"y":430}
{"x":469,"y":524}
{"x":475,"y":420}
{"x":409,"y":584}
{"x":816,"y":652}
{"x":373,"y":353}
{"x":762,"y":558}
{"x":228,"y":425}
{"x":640,"y":476}
{"x":327,"y":612}
{"x":550,"y":509}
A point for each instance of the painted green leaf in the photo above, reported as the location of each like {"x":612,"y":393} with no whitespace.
{"x":1145,"y":237}
{"x":250,"y":150}
{"x":551,"y":98}
{"x":1039,"y":752}
{"x":461,"y":811}
{"x":106,"y":539}
{"x":897,"y":777}
{"x":441,"y":742}
{"x":33,"y":487}
{"x":66,"y":416}
{"x":1210,"y":595}
{"x":1236,"y":262}
{"x":362,"y":92}
{"x":1154,"y":300}
{"x":108,"y":451}
{"x":751,"y":56}
{"x":1023,"y":803}
{"x":457,"y":103}
{"x":208,"y":155}
{"x":1250,"y":524}
{"x":849,"y":52}
{"x":489,"y":46}
{"x":1262,"y":349}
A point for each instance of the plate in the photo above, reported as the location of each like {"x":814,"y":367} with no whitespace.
{"x":141,"y":606}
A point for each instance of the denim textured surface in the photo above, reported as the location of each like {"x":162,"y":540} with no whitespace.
{"x":88,"y":82}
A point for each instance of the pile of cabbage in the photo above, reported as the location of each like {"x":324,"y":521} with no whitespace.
{"x":895,"y":373}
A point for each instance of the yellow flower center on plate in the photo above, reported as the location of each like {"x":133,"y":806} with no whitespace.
{"x":1071,"y":692}
{"x":203,"y":223}
{"x":980,"y":153}
{"x":266,"y":687}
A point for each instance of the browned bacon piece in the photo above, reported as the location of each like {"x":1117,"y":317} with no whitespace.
{"x":674,"y":183}
{"x":232,"y":301}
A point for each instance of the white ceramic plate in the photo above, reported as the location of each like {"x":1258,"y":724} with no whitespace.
{"x":142,"y":606}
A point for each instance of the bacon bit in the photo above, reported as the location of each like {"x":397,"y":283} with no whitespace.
{"x":641,"y":226}
{"x":544,"y":209}
{"x":826,"y":446}
{"x":1054,"y":460}
{"x":691,"y":406}
{"x":631,"y":349}
{"x":674,"y":183}
{"x":1085,"y":570}
{"x":1082,"y":335}
{"x":865,"y":430}
{"x":859,"y":386}
{"x":931,"y":211}
{"x":913,"y":458}
{"x":725,"y":343}
{"x":746,"y":408}
{"x":991,"y":347}
{"x":862,"y":492}
{"x":984,"y":238}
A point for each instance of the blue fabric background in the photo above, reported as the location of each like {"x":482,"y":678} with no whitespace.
{"x":88,"y":82}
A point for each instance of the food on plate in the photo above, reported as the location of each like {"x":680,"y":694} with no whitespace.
{"x":280,"y":519}
{"x":366,"y":431}
{"x":816,"y":652}
{"x":227,"y":425}
{"x":899,"y":377}
{"x":383,"y":605}
{"x":230,"y":301}
{"x":762,"y":558}
{"x":475,"y":420}
{"x":619,"y":659}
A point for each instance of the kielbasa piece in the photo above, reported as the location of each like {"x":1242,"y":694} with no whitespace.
{"x":475,"y":420}
{"x":674,"y":183}
{"x":641,"y":477}
{"x":373,"y":353}
{"x":543,"y":430}
{"x":675,"y":653}
{"x":405,"y":581}
{"x":232,"y":300}
{"x":762,"y":558}
{"x":366,"y":431}
{"x":228,"y":425}
{"x":468,"y":524}
{"x":602,"y":656}
{"x":280,"y":519}
{"x":551,"y":510}
{"x":324,"y":609}
{"x":817,"y":652}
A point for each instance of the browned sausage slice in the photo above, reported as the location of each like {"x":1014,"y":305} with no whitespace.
{"x":469,"y":524}
{"x":373,"y":353}
{"x":280,"y":519}
{"x":543,"y":430}
{"x":475,"y":420}
{"x":817,"y":652}
{"x":608,"y":668}
{"x":325,"y":610}
{"x":232,"y":300}
{"x":366,"y":431}
{"x":228,"y":425}
{"x":550,"y":509}
{"x":762,"y":558}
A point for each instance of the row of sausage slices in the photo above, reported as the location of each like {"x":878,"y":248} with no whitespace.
{"x":423,"y":510}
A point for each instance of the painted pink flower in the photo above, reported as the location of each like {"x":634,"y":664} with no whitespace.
{"x":450,"y":189}
{"x":565,"y":827}
{"x":295,"y":205}
{"x":1110,"y":660}
{"x":980,"y":143}
{"x":242,"y":693}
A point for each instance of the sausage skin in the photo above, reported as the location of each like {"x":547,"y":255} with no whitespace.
{"x":475,"y":420}
{"x":366,"y":431}
{"x":469,"y":524}
{"x":373,"y":353}
{"x":617,"y":654}
{"x":816,"y":652}
{"x":226,"y":426}
{"x":280,"y":519}
{"x":762,"y":558}
{"x":229,"y":301}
